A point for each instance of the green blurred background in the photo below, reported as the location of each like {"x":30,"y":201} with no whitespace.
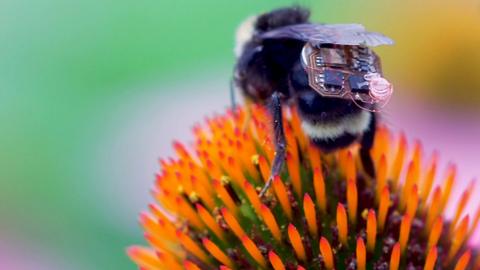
{"x":93,"y":91}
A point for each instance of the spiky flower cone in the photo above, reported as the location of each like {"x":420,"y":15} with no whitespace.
{"x":322,"y":212}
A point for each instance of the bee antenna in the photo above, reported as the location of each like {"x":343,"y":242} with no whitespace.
{"x":233,"y":101}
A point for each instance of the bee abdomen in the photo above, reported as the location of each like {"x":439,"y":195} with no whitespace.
{"x":329,"y":145}
{"x":337,"y":134}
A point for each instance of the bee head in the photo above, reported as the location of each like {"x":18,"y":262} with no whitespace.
{"x":254,"y":25}
{"x":281,"y":17}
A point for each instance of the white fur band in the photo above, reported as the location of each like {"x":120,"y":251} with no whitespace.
{"x":244,"y":33}
{"x":356,"y":124}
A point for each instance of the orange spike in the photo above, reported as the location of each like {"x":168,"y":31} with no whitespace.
{"x":398,"y":161}
{"x":404,"y":232}
{"x":205,"y":196}
{"x":294,"y":172}
{"x":252,"y":196}
{"x":448,"y":186}
{"x":188,"y":213}
{"x":314,"y":155}
{"x":232,"y":223}
{"x":476,"y":219}
{"x":352,"y":200}
{"x":282,"y":196}
{"x":463,"y":261}
{"x":216,"y":252}
{"x":246,"y":159}
{"x":234,"y":170}
{"x":409,"y":182}
{"x":371,"y":230}
{"x":395,"y":257}
{"x":417,"y":157}
{"x":210,"y":221}
{"x":326,"y":252}
{"x":223,"y":194}
{"x":169,"y":261}
{"x":381,"y":143}
{"x":296,"y":242}
{"x":150,"y":225}
{"x":383,"y":208}
{"x":191,"y":246}
{"x":181,"y":150}
{"x":412,"y":201}
{"x":276,"y":262}
{"x":429,"y":177}
{"x":458,"y":238}
{"x":264,"y":168}
{"x":270,"y":221}
{"x":435,"y":233}
{"x":431,"y":259}
{"x":461,"y":205}
{"x":190,"y":265}
{"x":342,"y":224}
{"x":434,"y":209}
{"x":319,"y":186}
{"x":361,"y":254}
{"x":381,"y":176}
{"x":291,"y":142}
{"x":144,"y":257}
{"x":297,"y":128}
{"x":159,"y":243}
{"x":253,"y":251}
{"x":350,"y":170}
{"x":310,"y":215}
{"x":157,"y":211}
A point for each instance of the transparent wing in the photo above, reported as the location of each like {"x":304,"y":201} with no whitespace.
{"x":342,"y":34}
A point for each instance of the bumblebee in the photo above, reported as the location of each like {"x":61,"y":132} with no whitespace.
{"x":329,"y":72}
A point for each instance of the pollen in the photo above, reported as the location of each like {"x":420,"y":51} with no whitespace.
{"x":322,"y":211}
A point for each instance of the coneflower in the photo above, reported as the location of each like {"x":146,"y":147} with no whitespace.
{"x":322,"y":212}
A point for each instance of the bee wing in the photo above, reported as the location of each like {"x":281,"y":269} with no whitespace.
{"x":342,"y":34}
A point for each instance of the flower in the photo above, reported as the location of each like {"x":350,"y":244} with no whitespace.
{"x":322,"y":212}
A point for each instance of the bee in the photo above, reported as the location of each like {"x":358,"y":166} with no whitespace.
{"x":328,"y":71}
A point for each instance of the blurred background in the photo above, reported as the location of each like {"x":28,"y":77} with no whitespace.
{"x":93,"y":92}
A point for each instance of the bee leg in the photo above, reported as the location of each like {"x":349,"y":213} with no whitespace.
{"x":280,"y":141}
{"x":366,"y":145}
